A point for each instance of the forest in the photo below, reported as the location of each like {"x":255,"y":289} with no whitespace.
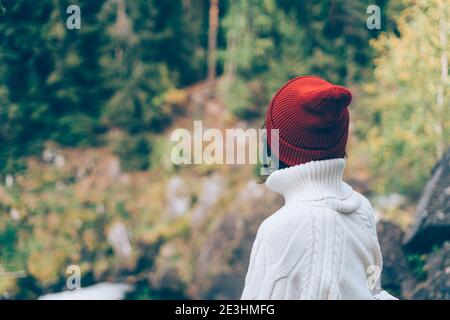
{"x":86,"y":115}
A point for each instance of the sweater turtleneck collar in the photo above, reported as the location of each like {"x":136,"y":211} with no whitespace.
{"x":315,"y":180}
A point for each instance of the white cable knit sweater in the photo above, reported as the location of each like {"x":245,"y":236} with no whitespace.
{"x":322,"y":244}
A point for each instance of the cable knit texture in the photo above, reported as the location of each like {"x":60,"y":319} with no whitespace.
{"x":322,"y":244}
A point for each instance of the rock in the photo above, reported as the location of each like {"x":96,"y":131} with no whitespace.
{"x":100,"y":208}
{"x":386,"y":206}
{"x":223,"y":255}
{"x":15,"y":214}
{"x":211,"y":190}
{"x":48,"y":155}
{"x":389,"y":202}
{"x":9,"y":180}
{"x":396,"y":274}
{"x":178,"y":197}
{"x":166,"y":285}
{"x":437,"y":285}
{"x":216,"y":260}
{"x":101,"y":291}
{"x":119,"y":239}
{"x":252,"y":191}
{"x":113,"y":168}
{"x":60,"y":161}
{"x":432,"y":226}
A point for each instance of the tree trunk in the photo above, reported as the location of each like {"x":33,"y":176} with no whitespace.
{"x":442,"y":145}
{"x":212,"y":39}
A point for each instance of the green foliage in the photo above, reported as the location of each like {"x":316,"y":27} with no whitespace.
{"x":242,"y":101}
{"x":119,"y":74}
{"x":270,"y":41}
{"x":70,"y":86}
{"x":143,"y":292}
{"x":416,"y":264}
{"x":139,"y":80}
{"x":8,"y":240}
{"x":51,"y":82}
{"x":79,"y":130}
{"x":406,"y":126}
{"x":134,"y":152}
{"x":257,"y":32}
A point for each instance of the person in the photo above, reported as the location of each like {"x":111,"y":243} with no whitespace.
{"x":322,"y":244}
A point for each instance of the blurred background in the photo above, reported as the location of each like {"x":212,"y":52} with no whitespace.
{"x":86,"y":115}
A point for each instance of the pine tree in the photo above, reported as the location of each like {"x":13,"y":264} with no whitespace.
{"x":51,"y":80}
{"x":260,"y":40}
{"x":270,"y":41}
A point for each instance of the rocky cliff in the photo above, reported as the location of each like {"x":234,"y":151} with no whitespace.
{"x":417,"y":262}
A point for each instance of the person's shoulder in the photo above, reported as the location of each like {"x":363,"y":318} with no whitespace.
{"x":366,"y":211}
{"x":283,"y":228}
{"x":365,"y":204}
{"x":286,"y":219}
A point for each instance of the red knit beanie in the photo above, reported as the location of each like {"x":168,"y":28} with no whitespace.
{"x":312,"y":117}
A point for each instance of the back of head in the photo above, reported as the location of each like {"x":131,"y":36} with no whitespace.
{"x":312,"y":117}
